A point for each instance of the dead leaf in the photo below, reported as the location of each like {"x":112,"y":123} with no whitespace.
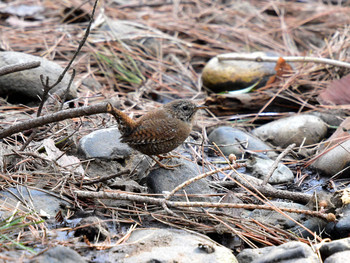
{"x":337,"y":93}
{"x":282,"y":68}
{"x":66,"y":162}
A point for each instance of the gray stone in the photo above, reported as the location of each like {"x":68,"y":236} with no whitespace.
{"x":339,"y":257}
{"x":104,"y":143}
{"x":335,"y":160}
{"x":260,"y":167}
{"x":306,"y":129}
{"x":234,"y":138}
{"x":170,"y":245}
{"x":313,"y":224}
{"x":342,"y":226}
{"x":291,"y":252}
{"x":44,"y":204}
{"x":162,"y":180}
{"x":25,"y":86}
{"x":329,"y":249}
{"x":59,"y":254}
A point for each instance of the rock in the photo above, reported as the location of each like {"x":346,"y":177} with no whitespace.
{"x":334,"y":156}
{"x":274,"y":218}
{"x":338,"y":257}
{"x":93,"y":228}
{"x":59,"y":254}
{"x":45,"y":205}
{"x":260,"y":167}
{"x":171,"y":245}
{"x":162,"y":180}
{"x":111,"y":155}
{"x":342,"y":226}
{"x":306,"y":129}
{"x":291,"y":252}
{"x":104,"y":143}
{"x":219,"y":76}
{"x":25,"y":86}
{"x":332,"y":248}
{"x":334,"y":161}
{"x":225,"y":135}
{"x":314,"y":224}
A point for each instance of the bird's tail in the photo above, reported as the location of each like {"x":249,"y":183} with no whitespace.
{"x":125,"y":123}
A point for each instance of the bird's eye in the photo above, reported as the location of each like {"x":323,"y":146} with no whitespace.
{"x":185,"y":107}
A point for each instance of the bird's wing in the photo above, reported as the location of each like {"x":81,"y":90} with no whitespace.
{"x":152,"y":130}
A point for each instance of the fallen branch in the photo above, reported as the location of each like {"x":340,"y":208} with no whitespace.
{"x":161,"y":201}
{"x":18,"y":67}
{"x":54,"y":117}
{"x":288,"y":59}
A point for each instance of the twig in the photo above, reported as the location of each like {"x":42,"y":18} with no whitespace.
{"x":54,"y":117}
{"x":276,"y":162}
{"x":161,"y":201}
{"x":270,"y":191}
{"x":288,"y":59}
{"x":18,"y":67}
{"x":104,"y":178}
{"x":196,"y":178}
{"x":81,"y":44}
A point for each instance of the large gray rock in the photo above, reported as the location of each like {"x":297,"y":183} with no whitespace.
{"x":44,"y":204}
{"x":291,"y":252}
{"x":170,"y":245}
{"x":25,"y":86}
{"x":297,"y":129}
{"x":163,"y":180}
{"x":104,"y":143}
{"x":335,"y":160}
{"x":59,"y":254}
{"x":234,"y":139}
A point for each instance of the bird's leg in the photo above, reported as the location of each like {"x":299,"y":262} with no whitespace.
{"x":162,"y":157}
{"x":169,"y":167}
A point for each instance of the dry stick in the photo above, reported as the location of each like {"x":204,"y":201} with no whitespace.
{"x":288,"y":59}
{"x":18,"y":67}
{"x":161,"y":201}
{"x":196,"y":178}
{"x":54,"y":117}
{"x":270,"y":191}
{"x":48,"y":87}
{"x":275,"y":164}
{"x":81,"y":44}
{"x":104,"y":178}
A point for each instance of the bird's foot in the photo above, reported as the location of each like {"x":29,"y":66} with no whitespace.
{"x":165,"y":166}
{"x":162,"y":157}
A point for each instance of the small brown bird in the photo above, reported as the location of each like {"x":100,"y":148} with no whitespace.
{"x":159,"y":131}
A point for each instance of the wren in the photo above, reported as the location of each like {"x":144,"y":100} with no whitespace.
{"x":158,"y":131}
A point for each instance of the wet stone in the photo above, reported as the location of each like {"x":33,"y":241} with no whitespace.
{"x":235,"y":138}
